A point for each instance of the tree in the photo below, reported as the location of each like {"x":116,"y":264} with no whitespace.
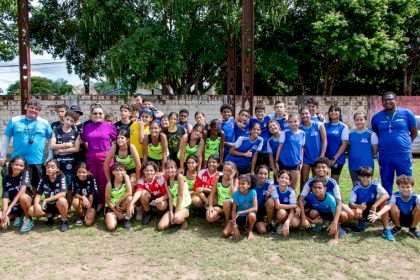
{"x":43,"y":86}
{"x":8,"y":30}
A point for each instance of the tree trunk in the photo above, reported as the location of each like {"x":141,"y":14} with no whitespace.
{"x":410,"y":78}
{"x":405,"y":85}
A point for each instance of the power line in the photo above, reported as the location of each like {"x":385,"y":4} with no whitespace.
{"x":35,"y":64}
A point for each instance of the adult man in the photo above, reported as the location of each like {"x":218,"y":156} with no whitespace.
{"x":30,"y":134}
{"x":396,"y":130}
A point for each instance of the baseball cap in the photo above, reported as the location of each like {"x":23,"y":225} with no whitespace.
{"x":76,"y":108}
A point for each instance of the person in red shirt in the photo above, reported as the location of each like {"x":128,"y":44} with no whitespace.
{"x":151,"y":191}
{"x":204,"y":181}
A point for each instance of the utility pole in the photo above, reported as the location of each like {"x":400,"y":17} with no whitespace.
{"x":24,"y":53}
{"x":248,"y":54}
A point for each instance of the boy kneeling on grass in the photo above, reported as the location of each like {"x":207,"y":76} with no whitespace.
{"x":322,"y":206}
{"x":363,"y":200}
{"x":404,"y":207}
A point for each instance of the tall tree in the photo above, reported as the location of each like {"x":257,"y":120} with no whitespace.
{"x":8,"y":30}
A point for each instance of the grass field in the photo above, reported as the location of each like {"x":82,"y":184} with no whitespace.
{"x":201,"y":253}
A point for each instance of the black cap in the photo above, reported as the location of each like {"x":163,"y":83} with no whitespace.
{"x":76,"y":108}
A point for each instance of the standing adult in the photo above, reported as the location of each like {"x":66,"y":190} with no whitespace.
{"x":30,"y":134}
{"x":396,"y":130}
{"x":98,"y":136}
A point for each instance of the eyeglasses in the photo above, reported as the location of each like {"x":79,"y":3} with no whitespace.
{"x":97,"y":113}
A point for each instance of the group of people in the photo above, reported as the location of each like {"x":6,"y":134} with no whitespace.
{"x":243,"y":170}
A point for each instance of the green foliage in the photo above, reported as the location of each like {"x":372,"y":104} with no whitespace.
{"x":8,"y":30}
{"x":43,"y":86}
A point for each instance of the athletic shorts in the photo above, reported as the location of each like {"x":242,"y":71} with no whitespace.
{"x":288,"y":167}
{"x":241,"y":220}
{"x":261,"y":213}
{"x":406,"y":220}
{"x":336,"y":169}
{"x":327,"y":216}
{"x":51,"y":208}
{"x":366,"y":212}
{"x":17,"y":210}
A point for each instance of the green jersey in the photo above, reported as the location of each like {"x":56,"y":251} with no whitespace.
{"x":223,"y":192}
{"x":190,"y":151}
{"x":154,"y":152}
{"x":212,"y":147}
{"x":186,"y":198}
{"x":116,"y":194}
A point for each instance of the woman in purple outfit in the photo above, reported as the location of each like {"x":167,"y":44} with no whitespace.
{"x":98,"y":136}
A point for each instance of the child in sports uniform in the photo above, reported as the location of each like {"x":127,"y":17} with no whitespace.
{"x":404,"y":208}
{"x":262,"y":119}
{"x":191,"y":144}
{"x":126,"y":154}
{"x":222,"y":193}
{"x":191,"y":173}
{"x":244,"y":209}
{"x":228,"y":126}
{"x":146,"y":117}
{"x":179,"y":199}
{"x":285,"y":204}
{"x":17,"y":196}
{"x":244,"y":151}
{"x":214,"y":141}
{"x":85,"y":192}
{"x":241,"y":127}
{"x":265,"y":202}
{"x":117,"y":197}
{"x":280,"y":115}
{"x":125,"y":118}
{"x":363,"y":146}
{"x":290,"y":151}
{"x":273,"y":143}
{"x":363,"y":200}
{"x":53,"y":187}
{"x":312,"y":105}
{"x":321,"y":206}
{"x":204,"y":182}
{"x":155,"y":146}
{"x":151,"y":191}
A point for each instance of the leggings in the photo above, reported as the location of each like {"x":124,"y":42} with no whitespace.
{"x":95,"y":162}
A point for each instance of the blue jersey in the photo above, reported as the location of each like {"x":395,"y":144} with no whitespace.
{"x":360,"y":194}
{"x":336,"y":133}
{"x":291,"y":151}
{"x":29,"y":138}
{"x":313,"y":142}
{"x":243,"y":145}
{"x":285,"y":197}
{"x":273,"y":145}
{"x":243,"y":202}
{"x":316,"y":118}
{"x":280,"y":120}
{"x":265,"y":134}
{"x":261,"y":193}
{"x":228,"y":129}
{"x":406,"y":206}
{"x":332,"y":187}
{"x":361,"y":144}
{"x":241,"y":131}
{"x":393,"y":130}
{"x":328,"y":205}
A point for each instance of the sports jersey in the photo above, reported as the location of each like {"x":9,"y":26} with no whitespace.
{"x":205,"y":180}
{"x":223,"y":192}
{"x":243,"y":145}
{"x":316,"y":118}
{"x":119,"y":125}
{"x":66,"y":160}
{"x":186,"y":198}
{"x":55,"y":124}
{"x":29,"y":138}
{"x":190,"y":182}
{"x":282,"y":121}
{"x":84,"y":188}
{"x":273,"y":145}
{"x":174,"y":141}
{"x":241,"y":131}
{"x":336,"y":133}
{"x":332,"y":187}
{"x":243,"y":202}
{"x":313,"y":142}
{"x":117,"y":194}
{"x":293,"y":142}
{"x":228,"y":129}
{"x":285,"y":197}
{"x":406,"y":206}
{"x":360,"y":194}
{"x":49,"y":189}
{"x":156,"y":187}
{"x":155,"y":152}
{"x":128,"y":161}
{"x":134,"y":136}
{"x":328,"y":205}
{"x":261,"y":193}
{"x":212,"y":146}
{"x":265,"y":134}
{"x":12,"y":185}
{"x":190,"y":151}
{"x":361,"y":153}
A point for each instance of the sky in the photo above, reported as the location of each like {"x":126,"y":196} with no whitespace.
{"x":42,"y":66}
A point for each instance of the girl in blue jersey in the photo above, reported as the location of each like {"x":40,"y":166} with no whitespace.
{"x":273,"y":143}
{"x":363,"y":146}
{"x":315,"y":143}
{"x":244,"y":209}
{"x":337,"y":141}
{"x":290,"y":151}
{"x":265,"y":203}
{"x":245,"y":150}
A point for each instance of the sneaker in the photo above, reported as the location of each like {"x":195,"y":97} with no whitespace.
{"x":341,"y":231}
{"x":387,"y":234}
{"x":139,"y":215}
{"x":395,"y":230}
{"x":361,"y":225}
{"x":80,"y":222}
{"x":127,"y":224}
{"x":414,"y":232}
{"x":64,"y":226}
{"x":28,"y":224}
{"x":50,"y":221}
{"x":147,"y":217}
{"x":280,"y":229}
{"x":272,"y":228}
{"x":18,"y":222}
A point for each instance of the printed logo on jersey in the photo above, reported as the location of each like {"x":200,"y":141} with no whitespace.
{"x":364,"y":140}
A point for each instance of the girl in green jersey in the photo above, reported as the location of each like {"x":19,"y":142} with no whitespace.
{"x":214,"y":141}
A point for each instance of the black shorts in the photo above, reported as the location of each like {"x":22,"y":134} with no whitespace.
{"x":17,"y":210}
{"x":263,"y":159}
{"x":327,"y":216}
{"x":51,"y":208}
{"x":406,"y":220}
{"x":366,"y":212}
{"x":241,"y":220}
{"x":36,"y":172}
{"x":244,"y":170}
{"x":289,"y":167}
{"x":261,"y":213}
{"x":336,"y":169}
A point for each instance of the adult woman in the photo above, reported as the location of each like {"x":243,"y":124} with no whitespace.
{"x":98,"y":136}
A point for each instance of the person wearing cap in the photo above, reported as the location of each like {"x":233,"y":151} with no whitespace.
{"x":30,"y":134}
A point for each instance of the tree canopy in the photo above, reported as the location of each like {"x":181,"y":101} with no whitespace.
{"x":43,"y":86}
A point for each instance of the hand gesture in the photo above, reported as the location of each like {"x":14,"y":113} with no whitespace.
{"x":248,"y":154}
{"x":373,"y":216}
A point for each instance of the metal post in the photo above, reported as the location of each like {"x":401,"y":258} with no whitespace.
{"x":24,"y":53}
{"x":231,"y":72}
{"x":248,"y":54}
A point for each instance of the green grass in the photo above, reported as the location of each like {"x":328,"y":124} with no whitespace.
{"x":201,"y":252}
